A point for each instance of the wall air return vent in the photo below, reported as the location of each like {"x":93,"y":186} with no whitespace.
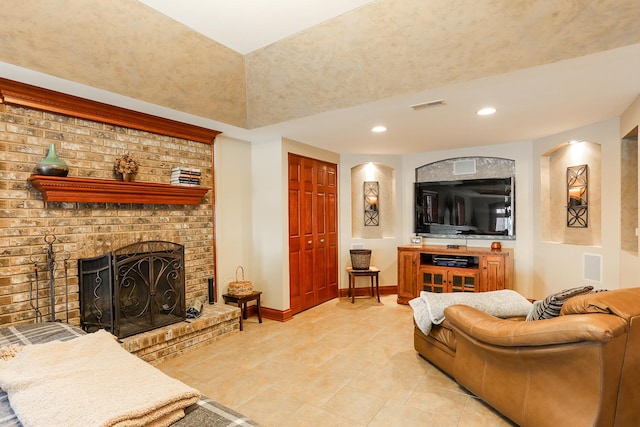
{"x":592,"y":267}
{"x":464,"y":167}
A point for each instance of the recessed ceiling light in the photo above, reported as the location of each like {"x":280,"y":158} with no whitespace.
{"x":378,"y":129}
{"x":487,"y":111}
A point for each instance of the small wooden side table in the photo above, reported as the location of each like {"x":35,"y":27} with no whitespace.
{"x":353,"y":273}
{"x":242,"y":301}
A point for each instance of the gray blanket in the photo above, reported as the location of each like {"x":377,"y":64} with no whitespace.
{"x":428,"y":308}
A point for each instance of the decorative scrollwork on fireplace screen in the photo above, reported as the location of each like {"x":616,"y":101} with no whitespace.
{"x":147,"y":289}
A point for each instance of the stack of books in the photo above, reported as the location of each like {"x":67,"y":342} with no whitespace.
{"x":185,"y":176}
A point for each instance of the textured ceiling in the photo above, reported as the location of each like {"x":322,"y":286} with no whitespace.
{"x":547,"y":66}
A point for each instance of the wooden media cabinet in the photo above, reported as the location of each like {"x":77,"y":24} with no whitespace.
{"x":445,"y":269}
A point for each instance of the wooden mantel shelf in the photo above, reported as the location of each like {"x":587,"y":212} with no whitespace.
{"x":67,"y":189}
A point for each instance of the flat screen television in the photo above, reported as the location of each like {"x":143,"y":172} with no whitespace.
{"x":482,"y":208}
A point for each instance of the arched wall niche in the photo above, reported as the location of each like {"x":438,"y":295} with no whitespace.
{"x":385,"y":176}
{"x":553,"y":193}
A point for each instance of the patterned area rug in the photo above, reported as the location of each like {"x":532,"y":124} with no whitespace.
{"x":212,"y":414}
{"x":205,"y":412}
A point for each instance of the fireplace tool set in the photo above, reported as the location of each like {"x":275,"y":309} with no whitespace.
{"x":44,"y":260}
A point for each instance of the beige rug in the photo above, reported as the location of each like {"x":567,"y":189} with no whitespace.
{"x":90,"y":381}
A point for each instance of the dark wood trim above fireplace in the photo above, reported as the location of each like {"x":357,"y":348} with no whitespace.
{"x":59,"y":189}
{"x":12,"y":92}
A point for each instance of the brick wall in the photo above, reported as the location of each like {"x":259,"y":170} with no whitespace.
{"x":89,"y":229}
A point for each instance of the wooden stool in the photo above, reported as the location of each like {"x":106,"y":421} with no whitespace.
{"x":242,"y":301}
{"x":353,"y":273}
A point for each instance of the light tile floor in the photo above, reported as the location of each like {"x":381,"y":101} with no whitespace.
{"x":338,"y":364}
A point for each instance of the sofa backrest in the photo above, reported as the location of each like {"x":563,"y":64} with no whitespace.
{"x":624,"y":303}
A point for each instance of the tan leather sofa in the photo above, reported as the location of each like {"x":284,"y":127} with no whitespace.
{"x":580,"y":369}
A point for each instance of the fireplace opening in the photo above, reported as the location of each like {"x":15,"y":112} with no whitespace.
{"x":133,"y":289}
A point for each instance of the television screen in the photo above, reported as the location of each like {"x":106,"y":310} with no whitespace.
{"x":472,"y":207}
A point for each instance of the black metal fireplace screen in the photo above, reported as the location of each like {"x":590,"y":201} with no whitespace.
{"x":133,"y":289}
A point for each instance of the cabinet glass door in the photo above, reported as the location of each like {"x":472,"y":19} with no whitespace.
{"x":433,"y":281}
{"x":463,"y":281}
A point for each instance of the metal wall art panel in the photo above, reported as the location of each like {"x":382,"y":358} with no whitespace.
{"x":371,"y":203}
{"x":578,"y":196}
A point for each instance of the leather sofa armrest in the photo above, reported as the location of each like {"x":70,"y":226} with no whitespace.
{"x":559,"y":330}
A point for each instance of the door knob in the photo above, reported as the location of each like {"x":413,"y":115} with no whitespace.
{"x":308,"y":242}
{"x":321,"y":240}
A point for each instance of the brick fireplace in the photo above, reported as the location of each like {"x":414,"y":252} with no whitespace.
{"x":88,"y":137}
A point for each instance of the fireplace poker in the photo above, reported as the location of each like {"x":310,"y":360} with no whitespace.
{"x":67,"y":255}
{"x":51,"y":262}
{"x":36,"y":308}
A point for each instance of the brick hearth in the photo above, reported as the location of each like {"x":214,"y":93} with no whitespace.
{"x":216,"y":322}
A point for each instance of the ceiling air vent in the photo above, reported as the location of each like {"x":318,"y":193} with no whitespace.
{"x":430,"y":104}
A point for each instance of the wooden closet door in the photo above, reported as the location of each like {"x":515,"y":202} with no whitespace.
{"x":320,"y":243}
{"x":307,"y":213}
{"x":295,"y":233}
{"x":312,"y":232}
{"x":331,"y":232}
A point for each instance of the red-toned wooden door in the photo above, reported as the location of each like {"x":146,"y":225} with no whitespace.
{"x":313,"y":234}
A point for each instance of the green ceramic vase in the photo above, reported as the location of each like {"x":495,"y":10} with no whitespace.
{"x":52,"y":165}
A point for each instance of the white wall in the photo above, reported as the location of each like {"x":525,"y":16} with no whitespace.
{"x":270,"y":263}
{"x":559,"y":266}
{"x":233,"y":210}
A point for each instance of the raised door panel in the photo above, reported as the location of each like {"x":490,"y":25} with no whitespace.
{"x":332,"y":271}
{"x":407,"y":276}
{"x":307,"y":282}
{"x":332,"y":176}
{"x":493,"y":273}
{"x":320,"y":274}
{"x":320,"y":215}
{"x":295,"y":283}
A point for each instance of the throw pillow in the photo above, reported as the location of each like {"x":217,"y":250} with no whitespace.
{"x":550,"y":306}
